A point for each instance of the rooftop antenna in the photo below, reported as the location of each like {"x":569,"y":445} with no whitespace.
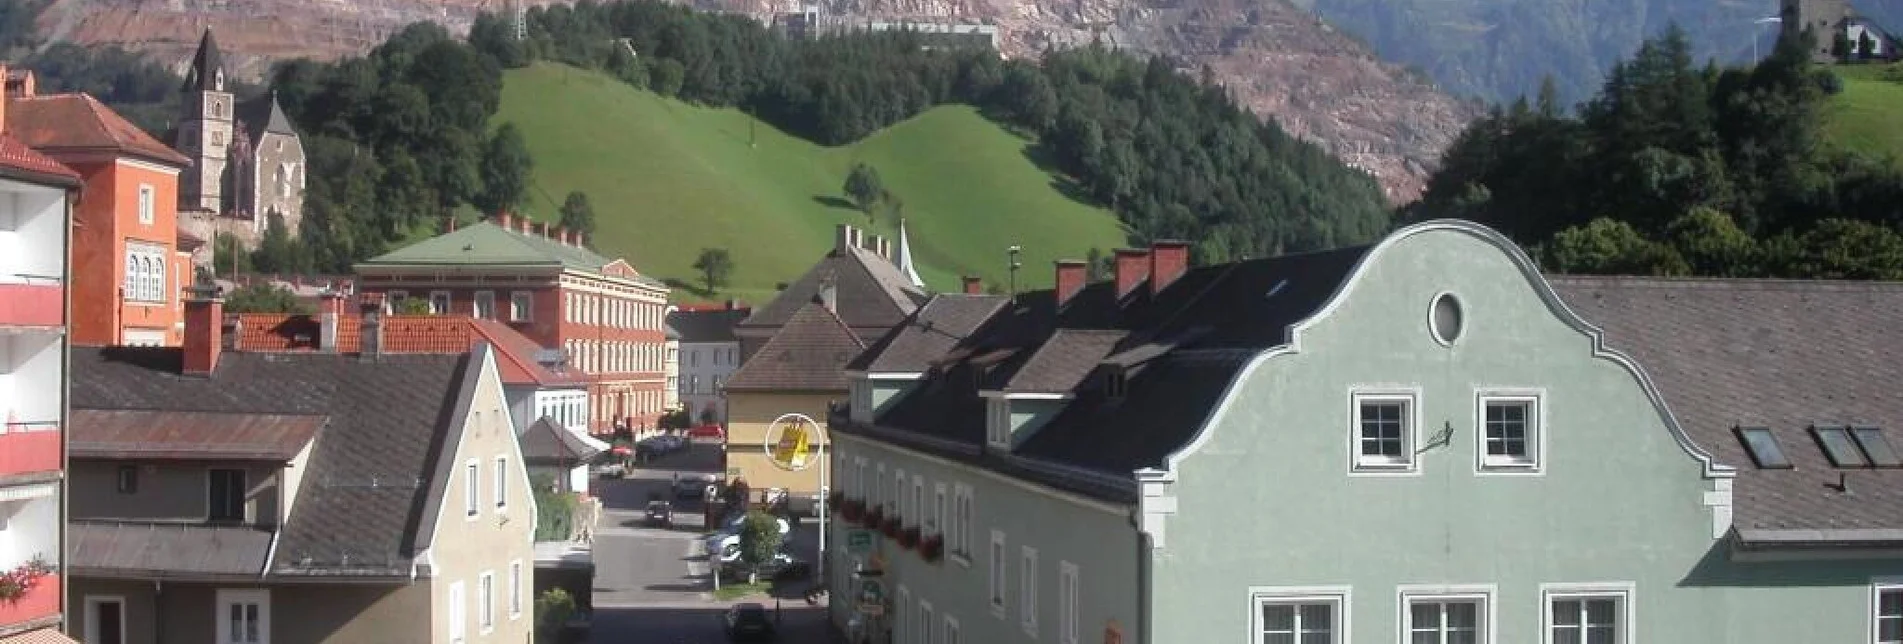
{"x":1013,"y":252}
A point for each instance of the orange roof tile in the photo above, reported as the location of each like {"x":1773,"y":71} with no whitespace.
{"x":515,"y":353}
{"x":16,"y":155}
{"x":56,"y":123}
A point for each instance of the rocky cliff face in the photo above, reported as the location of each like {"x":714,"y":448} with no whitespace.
{"x":1280,"y":60}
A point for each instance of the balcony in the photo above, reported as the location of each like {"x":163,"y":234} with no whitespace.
{"x":27,"y":448}
{"x":27,"y":301}
{"x":41,"y":602}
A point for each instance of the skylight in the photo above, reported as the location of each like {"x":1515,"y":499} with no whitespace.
{"x":1839,"y":447}
{"x":1876,"y":446}
{"x":1763,"y":447}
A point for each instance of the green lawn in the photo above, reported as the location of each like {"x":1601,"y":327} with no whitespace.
{"x":668,"y":179}
{"x":1868,"y":116}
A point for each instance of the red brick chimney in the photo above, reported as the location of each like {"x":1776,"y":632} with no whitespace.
{"x":504,"y":220}
{"x":450,"y":226}
{"x":522,"y":225}
{"x":1133,"y":264}
{"x":1070,"y":279}
{"x":20,"y":83}
{"x":974,"y":285}
{"x":1169,"y":258}
{"x":204,"y":332}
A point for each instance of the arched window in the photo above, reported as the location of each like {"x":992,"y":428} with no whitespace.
{"x":131,"y":287}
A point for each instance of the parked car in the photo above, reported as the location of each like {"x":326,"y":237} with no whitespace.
{"x":693,"y":486}
{"x":661,"y":513}
{"x":782,"y":568}
{"x":748,"y":623}
{"x":728,"y":538}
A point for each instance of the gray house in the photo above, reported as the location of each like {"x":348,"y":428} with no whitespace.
{"x":1420,"y":440}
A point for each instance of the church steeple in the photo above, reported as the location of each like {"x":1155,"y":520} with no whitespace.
{"x":207,"y":73}
{"x":905,"y":258}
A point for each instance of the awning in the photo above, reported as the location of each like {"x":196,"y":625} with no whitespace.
{"x":42,"y":636}
{"x":28,"y":492}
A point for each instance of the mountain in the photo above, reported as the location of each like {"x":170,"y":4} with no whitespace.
{"x":1500,"y":49}
{"x":672,"y":178}
{"x":1280,"y":60}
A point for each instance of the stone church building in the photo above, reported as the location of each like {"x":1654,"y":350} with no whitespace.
{"x":247,"y":159}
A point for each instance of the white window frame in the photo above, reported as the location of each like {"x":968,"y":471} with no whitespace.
{"x":1000,"y":570}
{"x":91,"y":615}
{"x":1482,"y":594}
{"x":876,"y":492}
{"x":1879,"y":586}
{"x":917,"y":516}
{"x":447,"y":299}
{"x":472,"y":489}
{"x":898,"y":495}
{"x":902,"y":622}
{"x":502,"y":484}
{"x":521,"y":306}
{"x":148,"y":203}
{"x":226,"y":597}
{"x":1409,"y":463}
{"x":484,"y":306}
{"x":515,"y":589}
{"x":954,"y":633}
{"x":939,"y":498}
{"x":926,"y":621}
{"x":458,"y":613}
{"x":958,"y":543}
{"x":1621,"y":592}
{"x":1339,"y":599}
{"x":998,"y":423}
{"x":859,"y":477}
{"x":1027,"y":590}
{"x":1534,"y":463}
{"x":486,"y":601}
{"x":1069,"y":594}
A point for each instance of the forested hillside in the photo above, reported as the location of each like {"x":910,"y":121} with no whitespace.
{"x":1676,"y":168}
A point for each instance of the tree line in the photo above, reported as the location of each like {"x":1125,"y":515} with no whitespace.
{"x":1174,"y":156}
{"x":1679,"y":169}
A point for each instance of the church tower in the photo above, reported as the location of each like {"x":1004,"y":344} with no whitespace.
{"x":205,"y":129}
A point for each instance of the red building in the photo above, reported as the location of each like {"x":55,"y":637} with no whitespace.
{"x":606,"y":318}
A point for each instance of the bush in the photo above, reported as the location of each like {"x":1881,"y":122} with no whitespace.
{"x":554,"y":511}
{"x":552,"y":610}
{"x":1828,"y":81}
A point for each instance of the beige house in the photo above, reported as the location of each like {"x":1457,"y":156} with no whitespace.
{"x":268,"y":498}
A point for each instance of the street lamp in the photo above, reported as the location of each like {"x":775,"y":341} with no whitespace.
{"x":787,"y":459}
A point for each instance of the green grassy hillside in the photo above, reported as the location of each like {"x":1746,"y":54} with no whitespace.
{"x":1866,"y":117}
{"x":667,"y":179}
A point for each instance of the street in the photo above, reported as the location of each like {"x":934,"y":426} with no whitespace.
{"x":652,"y":585}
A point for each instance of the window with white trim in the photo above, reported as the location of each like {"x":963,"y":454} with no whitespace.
{"x":952,"y":633}
{"x":1067,"y":592}
{"x":1299,"y":616}
{"x":858,"y":489}
{"x":997,"y":573}
{"x":925,"y":622}
{"x":472,"y":487}
{"x":898,"y":494}
{"x":1510,"y":432}
{"x":439,"y":302}
{"x":515,"y":589}
{"x":998,"y":422}
{"x":1889,"y":613}
{"x":959,"y":541}
{"x":1027,"y":591}
{"x":901,"y":621}
{"x":458,"y":613}
{"x":521,"y":306}
{"x":145,"y":273}
{"x":1585,"y":618}
{"x":486,"y":305}
{"x":1445,"y":619}
{"x":936,"y":524}
{"x":875,"y":488}
{"x":486,"y":601}
{"x":1384,"y":431}
{"x":502,"y":484}
{"x":244,"y":616}
{"x":915,"y":515}
{"x":147,"y":200}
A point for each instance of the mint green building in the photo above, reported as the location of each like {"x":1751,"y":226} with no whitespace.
{"x":1419,"y":441}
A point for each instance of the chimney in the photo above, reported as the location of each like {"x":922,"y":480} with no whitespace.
{"x":504,"y":220}
{"x":450,"y":226}
{"x":1169,"y":258}
{"x":6,"y":77}
{"x":204,"y":331}
{"x":842,"y":239}
{"x":371,"y":345}
{"x":885,"y":247}
{"x":329,"y":315}
{"x":828,"y":295}
{"x":732,"y":304}
{"x":522,"y":225}
{"x":1132,"y":266}
{"x":1070,"y":279}
{"x":974,"y":285}
{"x":21,"y":83}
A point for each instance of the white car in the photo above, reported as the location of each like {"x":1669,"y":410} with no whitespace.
{"x":727,"y":540}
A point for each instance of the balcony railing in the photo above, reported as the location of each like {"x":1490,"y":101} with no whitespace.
{"x":32,"y":300}
{"x":40,"y":602}
{"x":29,"y":447}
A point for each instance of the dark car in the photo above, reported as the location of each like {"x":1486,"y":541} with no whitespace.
{"x":749,"y":623}
{"x":661,"y":513}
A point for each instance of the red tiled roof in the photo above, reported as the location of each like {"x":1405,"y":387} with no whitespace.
{"x":515,"y":353}
{"x":56,"y":123}
{"x":17,"y":155}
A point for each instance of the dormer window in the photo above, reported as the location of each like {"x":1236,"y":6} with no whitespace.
{"x":998,"y":422}
{"x":1115,"y":383}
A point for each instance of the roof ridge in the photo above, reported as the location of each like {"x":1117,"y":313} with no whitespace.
{"x":1736,"y":283}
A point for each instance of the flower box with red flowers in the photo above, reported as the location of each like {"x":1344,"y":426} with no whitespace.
{"x":890,"y":527}
{"x":932,"y":548}
{"x":875,"y":517}
{"x":852,"y":510}
{"x":909,"y":537}
{"x":16,"y":583}
{"x":836,"y":500}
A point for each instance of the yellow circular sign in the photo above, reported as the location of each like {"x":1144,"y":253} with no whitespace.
{"x":790,"y":441}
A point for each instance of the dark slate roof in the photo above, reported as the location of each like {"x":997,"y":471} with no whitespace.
{"x":808,"y":354}
{"x":1061,"y":363}
{"x":1777,"y":354}
{"x":192,"y":435}
{"x":372,"y":477}
{"x":871,"y":292}
{"x":201,"y":76}
{"x":928,"y":334}
{"x":706,"y":326}
{"x":166,"y":550}
{"x":547,"y":441}
{"x":1178,"y":349}
{"x":263,"y":115}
